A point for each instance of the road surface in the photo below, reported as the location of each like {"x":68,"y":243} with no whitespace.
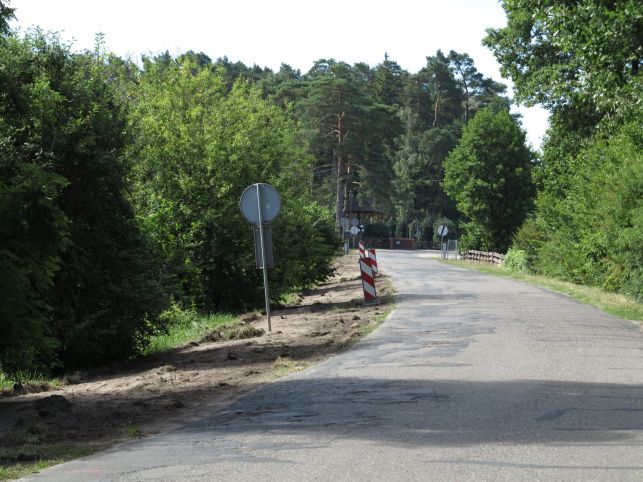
{"x":472,"y":377}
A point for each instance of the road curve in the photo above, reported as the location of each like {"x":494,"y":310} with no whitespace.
{"x":471,"y":377}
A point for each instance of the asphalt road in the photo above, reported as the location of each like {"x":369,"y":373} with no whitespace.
{"x":471,"y":378}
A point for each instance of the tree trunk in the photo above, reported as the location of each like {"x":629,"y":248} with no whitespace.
{"x":339,"y":206}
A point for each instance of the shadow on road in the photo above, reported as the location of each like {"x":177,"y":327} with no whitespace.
{"x":440,"y":413}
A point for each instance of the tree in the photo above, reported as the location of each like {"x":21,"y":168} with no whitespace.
{"x":348,"y":129}
{"x":33,"y":234}
{"x":92,"y":277}
{"x":441,"y":98}
{"x":197,"y":147}
{"x":6,"y":14}
{"x":559,"y":52}
{"x":419,"y":172}
{"x":582,"y":61}
{"x":446,"y":96}
{"x":388,"y":82}
{"x":488,"y":174}
{"x":477,"y":90}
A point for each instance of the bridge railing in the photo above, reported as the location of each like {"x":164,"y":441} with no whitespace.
{"x":483,"y":257}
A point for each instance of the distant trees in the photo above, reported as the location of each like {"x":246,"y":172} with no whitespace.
{"x":438,"y":101}
{"x":488,"y":174}
{"x":349,"y":129}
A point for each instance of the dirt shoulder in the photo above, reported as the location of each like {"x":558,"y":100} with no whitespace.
{"x":94,"y":411}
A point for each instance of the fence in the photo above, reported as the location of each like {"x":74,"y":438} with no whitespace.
{"x":483,"y":257}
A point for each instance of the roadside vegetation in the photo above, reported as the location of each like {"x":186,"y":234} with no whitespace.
{"x":614,"y":303}
{"x":582,"y":61}
{"x":185,"y":326}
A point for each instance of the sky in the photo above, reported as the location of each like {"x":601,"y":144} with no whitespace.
{"x":296,"y":32}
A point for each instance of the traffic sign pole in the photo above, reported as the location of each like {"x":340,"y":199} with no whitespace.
{"x":263,"y":258}
{"x":267,"y":204}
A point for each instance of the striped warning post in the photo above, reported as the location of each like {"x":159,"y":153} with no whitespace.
{"x":361,"y":249}
{"x":373,"y":256}
{"x":368,"y":280}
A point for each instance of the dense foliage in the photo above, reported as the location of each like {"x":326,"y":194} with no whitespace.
{"x":119,"y":191}
{"x":582,"y":60}
{"x":488,"y":174}
{"x":197,"y":146}
{"x":79,"y":277}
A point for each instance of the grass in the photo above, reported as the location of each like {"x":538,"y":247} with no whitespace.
{"x":21,"y":460}
{"x":25,"y":378}
{"x":289,"y":298}
{"x":186,"y":326}
{"x":388,"y":302}
{"x":387,"y":306}
{"x":613,"y":303}
{"x":132,"y":431}
{"x":26,"y":453}
{"x":283,"y":366}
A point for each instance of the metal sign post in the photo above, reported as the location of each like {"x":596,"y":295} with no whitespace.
{"x":266,"y":291}
{"x":443,"y":231}
{"x":260,"y":204}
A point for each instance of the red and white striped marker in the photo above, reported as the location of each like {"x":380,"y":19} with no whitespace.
{"x":368,"y":280}
{"x":361,"y":250}
{"x":373,"y":256}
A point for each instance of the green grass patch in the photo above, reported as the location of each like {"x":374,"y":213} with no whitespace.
{"x":289,"y":298}
{"x":388,"y":305}
{"x":613,"y":303}
{"x":132,"y":431}
{"x":234,"y":332}
{"x":21,"y":460}
{"x":185,"y":326}
{"x":26,"y":379}
{"x":283,"y":366}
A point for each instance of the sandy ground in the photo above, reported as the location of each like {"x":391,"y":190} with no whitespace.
{"x":92,"y":411}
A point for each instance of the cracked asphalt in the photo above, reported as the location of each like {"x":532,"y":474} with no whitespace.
{"x":472,"y":377}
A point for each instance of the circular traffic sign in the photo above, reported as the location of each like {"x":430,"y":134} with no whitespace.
{"x":443,"y":230}
{"x":354,"y":230}
{"x":256,"y":195}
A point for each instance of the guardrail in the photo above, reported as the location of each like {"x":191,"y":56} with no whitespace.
{"x":483,"y":257}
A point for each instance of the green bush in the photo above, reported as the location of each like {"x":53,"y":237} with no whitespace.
{"x":529,"y":238}
{"x":598,"y":230}
{"x":78,"y":283}
{"x":197,"y":148}
{"x":515,"y":260}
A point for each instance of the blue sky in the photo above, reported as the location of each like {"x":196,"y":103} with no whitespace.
{"x":289,"y":31}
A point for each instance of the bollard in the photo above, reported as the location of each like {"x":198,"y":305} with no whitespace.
{"x":373,"y":256}
{"x":368,"y":280}
{"x":361,"y":249}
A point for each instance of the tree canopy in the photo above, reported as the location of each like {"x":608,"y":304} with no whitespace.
{"x":582,"y":60}
{"x":488,"y":174}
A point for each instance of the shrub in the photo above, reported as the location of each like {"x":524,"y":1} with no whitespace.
{"x":515,"y":260}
